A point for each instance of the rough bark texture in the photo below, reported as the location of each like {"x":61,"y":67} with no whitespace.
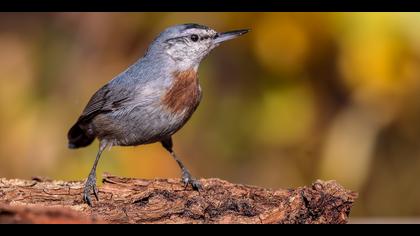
{"x":127,"y":200}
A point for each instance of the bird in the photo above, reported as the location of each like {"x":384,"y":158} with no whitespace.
{"x":151,"y":100}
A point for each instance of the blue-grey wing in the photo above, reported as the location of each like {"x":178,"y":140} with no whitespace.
{"x":106,"y":99}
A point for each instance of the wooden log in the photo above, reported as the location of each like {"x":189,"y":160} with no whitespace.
{"x":129,"y":200}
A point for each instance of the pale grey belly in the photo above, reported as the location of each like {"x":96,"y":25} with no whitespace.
{"x":140,"y":125}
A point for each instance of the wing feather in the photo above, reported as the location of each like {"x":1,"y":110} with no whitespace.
{"x":103,"y":101}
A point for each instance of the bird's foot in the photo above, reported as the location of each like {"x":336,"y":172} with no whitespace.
{"x":90,"y":185}
{"x":188,"y":179}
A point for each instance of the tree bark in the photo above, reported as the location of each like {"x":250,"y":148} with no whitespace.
{"x":128,"y":200}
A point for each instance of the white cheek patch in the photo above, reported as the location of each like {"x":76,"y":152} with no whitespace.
{"x":188,"y":54}
{"x":176,"y":52}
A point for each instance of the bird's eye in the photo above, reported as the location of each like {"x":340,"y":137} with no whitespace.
{"x":194,"y":38}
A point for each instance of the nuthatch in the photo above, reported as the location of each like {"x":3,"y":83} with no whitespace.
{"x":151,"y":100}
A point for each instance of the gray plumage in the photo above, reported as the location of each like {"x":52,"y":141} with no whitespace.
{"x":152,"y":99}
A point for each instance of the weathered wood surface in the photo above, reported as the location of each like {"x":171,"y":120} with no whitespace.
{"x":127,"y":200}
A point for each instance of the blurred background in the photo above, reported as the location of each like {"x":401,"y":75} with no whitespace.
{"x":303,"y":96}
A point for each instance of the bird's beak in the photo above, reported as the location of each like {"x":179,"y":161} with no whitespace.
{"x":221,"y":37}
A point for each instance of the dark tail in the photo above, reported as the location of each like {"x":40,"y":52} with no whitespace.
{"x":78,"y":138}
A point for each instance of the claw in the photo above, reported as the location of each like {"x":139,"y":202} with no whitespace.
{"x":196,"y":185}
{"x":96,"y":192}
{"x":187,"y":179}
{"x":90,"y":186}
{"x":86,"y":199}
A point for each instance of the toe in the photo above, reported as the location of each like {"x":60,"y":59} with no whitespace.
{"x":186,"y":180}
{"x":96,"y":192}
{"x":196,"y":185}
{"x":87,"y":200}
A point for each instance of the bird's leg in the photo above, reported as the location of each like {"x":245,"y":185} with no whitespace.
{"x":91,"y":180}
{"x":186,"y":176}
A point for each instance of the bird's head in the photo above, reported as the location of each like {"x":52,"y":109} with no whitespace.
{"x":188,"y":44}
